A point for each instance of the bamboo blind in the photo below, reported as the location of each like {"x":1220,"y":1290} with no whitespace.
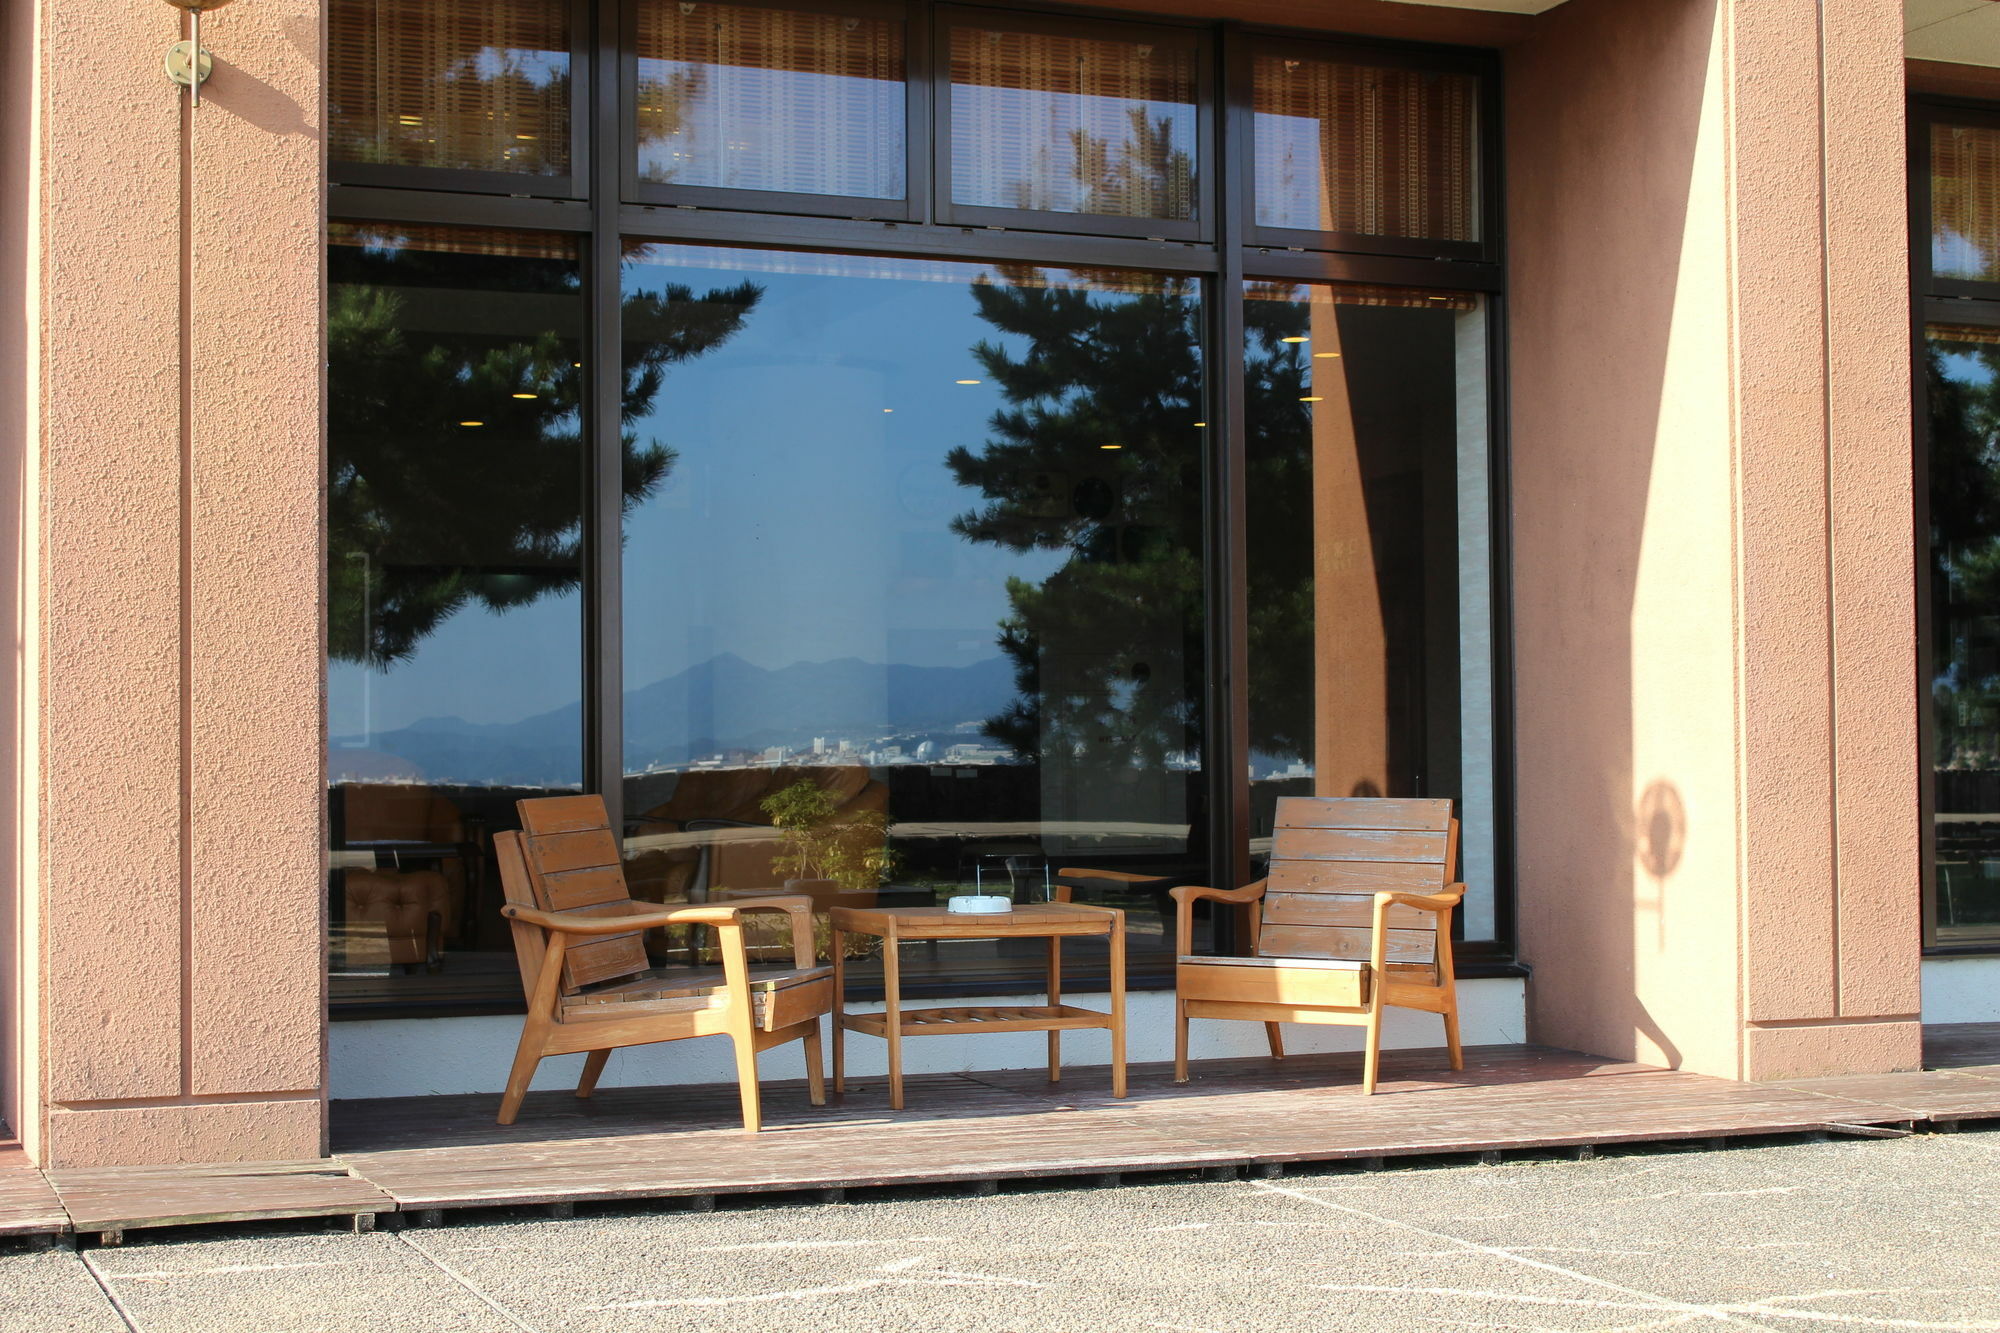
{"x":1366,"y":150}
{"x":453,"y":240}
{"x":1072,"y":124}
{"x":462,"y":84}
{"x":1407,"y":298}
{"x":1965,"y":202}
{"x":768,"y":99}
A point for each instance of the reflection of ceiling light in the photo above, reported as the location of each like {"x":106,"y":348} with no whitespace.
{"x":1201,"y":425}
{"x":527,"y":395}
{"x":1321,"y":356}
{"x":888,"y":409}
{"x":1312,"y":400}
{"x":526,"y":138}
{"x":409,"y":120}
{"x":471,"y":423}
{"x":577,"y":365}
{"x":1111,"y":446}
{"x":1294,"y":340}
{"x":965,"y":381}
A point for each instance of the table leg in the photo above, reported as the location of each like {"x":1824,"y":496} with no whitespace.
{"x":839,"y":946}
{"x":1055,"y":1002}
{"x":892,"y":1015}
{"x":1118,"y":1005}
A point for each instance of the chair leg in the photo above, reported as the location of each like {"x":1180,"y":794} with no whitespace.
{"x":1276,"y":1037}
{"x":1451,"y":1035}
{"x":815,"y":1067}
{"x":1180,"y":1040}
{"x":1373,"y":1059}
{"x":593,"y":1065}
{"x":746,"y":1083}
{"x":526,"y":1057}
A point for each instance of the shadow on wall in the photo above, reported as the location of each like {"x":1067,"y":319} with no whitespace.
{"x":1604,"y":108}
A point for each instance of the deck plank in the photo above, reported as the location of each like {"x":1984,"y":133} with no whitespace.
{"x":122,"y":1198}
{"x":28,"y":1206}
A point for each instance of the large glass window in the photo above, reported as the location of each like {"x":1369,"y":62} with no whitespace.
{"x":927,"y":546}
{"x":1369,"y":570}
{"x":467,"y":85}
{"x":1965,"y":202}
{"x":1059,"y":121}
{"x":454,"y":572}
{"x":748,"y":98}
{"x":859,"y":526}
{"x":1961,"y":367}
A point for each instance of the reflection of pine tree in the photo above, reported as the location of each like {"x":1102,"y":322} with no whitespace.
{"x":470,"y":139}
{"x":1965,"y":554}
{"x":1145,"y":176}
{"x":426,"y":516}
{"x":1107,"y":361}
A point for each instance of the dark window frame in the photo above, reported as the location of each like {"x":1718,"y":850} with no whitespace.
{"x":1949,"y":301}
{"x":603,"y":214}
{"x":1200,"y":228}
{"x":916,"y":112}
{"x":454,"y":180}
{"x":1483,"y":66}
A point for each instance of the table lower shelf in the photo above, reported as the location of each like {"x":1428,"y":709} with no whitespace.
{"x":983,"y":1018}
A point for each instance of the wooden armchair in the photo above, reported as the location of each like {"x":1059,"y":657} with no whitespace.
{"x":1353,"y":917}
{"x":579,"y":938}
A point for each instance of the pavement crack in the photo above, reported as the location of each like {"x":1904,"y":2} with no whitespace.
{"x":1654,"y":1300}
{"x":465,"y":1282}
{"x":98,"y":1276}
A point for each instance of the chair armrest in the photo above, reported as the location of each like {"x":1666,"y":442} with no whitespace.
{"x":796,"y":905}
{"x":1432,"y":902}
{"x":619,"y":925}
{"x":1185,"y":896}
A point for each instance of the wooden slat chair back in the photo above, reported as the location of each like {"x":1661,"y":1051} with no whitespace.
{"x":1353,"y":915}
{"x":579,"y":938}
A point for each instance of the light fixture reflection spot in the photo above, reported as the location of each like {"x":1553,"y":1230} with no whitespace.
{"x":965,"y":381}
{"x":1313,"y":399}
{"x":527,"y":395}
{"x":1321,"y":356}
{"x":1300,"y":339}
{"x":1201,"y":425}
{"x":1111,"y":446}
{"x":888,"y":409}
{"x":471,"y":423}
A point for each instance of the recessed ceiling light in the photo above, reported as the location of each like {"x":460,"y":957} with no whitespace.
{"x":1320,"y":356}
{"x":1294,"y":340}
{"x":965,"y":381}
{"x":527,"y":395}
{"x":1312,"y":400}
{"x":1111,"y":446}
{"x":1201,"y":425}
{"x":888,"y":409}
{"x":471,"y":423}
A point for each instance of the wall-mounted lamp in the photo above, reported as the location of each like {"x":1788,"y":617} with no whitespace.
{"x":187,"y":63}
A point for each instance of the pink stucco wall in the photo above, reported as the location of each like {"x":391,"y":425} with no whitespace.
{"x":1713,"y":569}
{"x":170,"y":893}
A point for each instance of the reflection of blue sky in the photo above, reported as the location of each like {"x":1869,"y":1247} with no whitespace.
{"x":1965,"y":368}
{"x":1956,"y":255}
{"x":541,"y":68}
{"x":803,"y":521}
{"x":1007,"y":139}
{"x":778,"y":129}
{"x":1290,"y":192}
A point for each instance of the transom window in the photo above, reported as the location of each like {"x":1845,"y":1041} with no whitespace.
{"x":893,"y":450}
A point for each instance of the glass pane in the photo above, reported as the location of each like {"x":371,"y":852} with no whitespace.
{"x":1073,"y":124}
{"x":1369,"y":557}
{"x":1963,"y":370}
{"x":1370,"y":151}
{"x":922,"y":558}
{"x":1965,"y":202}
{"x":477,"y":85}
{"x":770,"y":99}
{"x":454,"y":578}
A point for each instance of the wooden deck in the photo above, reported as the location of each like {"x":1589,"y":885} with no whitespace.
{"x":413,"y":1159}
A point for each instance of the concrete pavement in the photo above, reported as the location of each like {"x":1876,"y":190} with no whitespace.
{"x":1853,"y":1234}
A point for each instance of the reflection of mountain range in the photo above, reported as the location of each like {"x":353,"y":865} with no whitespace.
{"x":722,"y":704}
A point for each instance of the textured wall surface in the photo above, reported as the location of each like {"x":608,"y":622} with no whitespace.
{"x":177,"y":902}
{"x":1714,"y":586}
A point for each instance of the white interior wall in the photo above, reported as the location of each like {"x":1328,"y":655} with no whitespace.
{"x":421,"y":1057}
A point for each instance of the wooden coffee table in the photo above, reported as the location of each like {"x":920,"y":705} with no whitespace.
{"x":1053,"y":921}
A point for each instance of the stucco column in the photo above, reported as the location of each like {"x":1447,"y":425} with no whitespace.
{"x":1713,"y":560}
{"x":166,"y":871}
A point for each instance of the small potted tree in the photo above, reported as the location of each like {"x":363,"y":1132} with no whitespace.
{"x":831,"y":856}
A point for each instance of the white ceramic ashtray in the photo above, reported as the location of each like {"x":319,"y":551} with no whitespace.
{"x":979,"y":904}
